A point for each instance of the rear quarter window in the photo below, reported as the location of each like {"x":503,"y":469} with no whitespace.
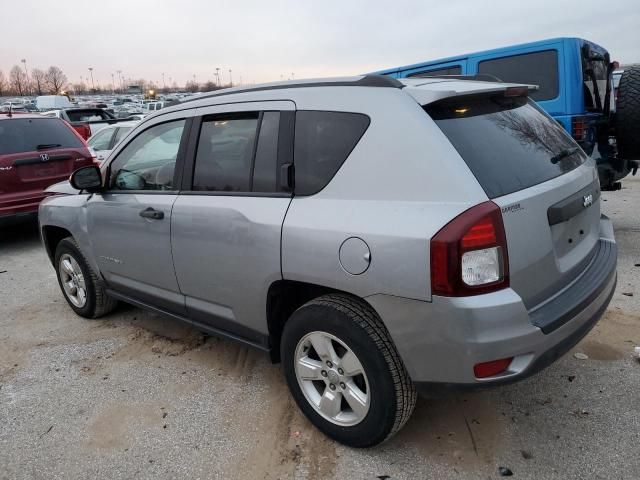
{"x":27,"y":134}
{"x":508,"y":143}
{"x":537,"y":68}
{"x":323,"y":141}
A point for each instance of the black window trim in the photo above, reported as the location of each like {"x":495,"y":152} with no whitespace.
{"x":285,"y":155}
{"x":552,"y":49}
{"x":180,"y":160}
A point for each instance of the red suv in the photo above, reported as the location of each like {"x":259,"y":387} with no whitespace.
{"x":35,"y":152}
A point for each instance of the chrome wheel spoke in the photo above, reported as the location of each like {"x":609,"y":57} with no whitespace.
{"x":323,"y":347}
{"x":82,"y":295}
{"x":67,"y":267}
{"x":330,"y":403}
{"x":350,"y":364}
{"x":309,"y":369}
{"x":356,"y":399}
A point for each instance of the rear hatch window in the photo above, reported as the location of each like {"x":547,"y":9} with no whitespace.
{"x":33,"y":134}
{"x":508,"y":142}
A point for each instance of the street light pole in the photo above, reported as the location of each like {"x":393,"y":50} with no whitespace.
{"x":26,"y":76}
{"x":218,"y":75}
{"x":113,"y":83}
{"x":230,"y":80}
{"x":119,"y":72}
{"x":164,"y":86}
{"x":93,"y":87}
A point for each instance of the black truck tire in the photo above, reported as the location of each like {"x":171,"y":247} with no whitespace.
{"x":628,"y":114}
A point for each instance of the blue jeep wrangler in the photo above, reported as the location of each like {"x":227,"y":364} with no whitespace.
{"x":575,"y":83}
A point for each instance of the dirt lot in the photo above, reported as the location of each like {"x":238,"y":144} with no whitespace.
{"x":134,"y":395}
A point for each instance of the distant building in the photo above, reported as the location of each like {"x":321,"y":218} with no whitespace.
{"x":134,"y":89}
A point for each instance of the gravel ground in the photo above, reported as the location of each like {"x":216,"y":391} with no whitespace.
{"x":136,"y":395}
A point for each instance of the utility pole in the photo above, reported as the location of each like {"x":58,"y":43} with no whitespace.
{"x":93,"y":87}
{"x":113,"y":83}
{"x":119,"y":72}
{"x":218,"y":75}
{"x":230,"y":80}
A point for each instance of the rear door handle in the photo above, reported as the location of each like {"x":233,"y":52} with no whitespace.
{"x":152,"y":213}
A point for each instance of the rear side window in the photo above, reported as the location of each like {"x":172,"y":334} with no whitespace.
{"x":508,"y":143}
{"x":32,"y":134}
{"x":595,"y":84}
{"x":538,"y":68}
{"x":455,"y":70}
{"x":225,"y":153}
{"x":265,"y":169}
{"x":323,"y":141}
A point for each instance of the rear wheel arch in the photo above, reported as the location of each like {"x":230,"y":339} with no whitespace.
{"x":283,"y":298}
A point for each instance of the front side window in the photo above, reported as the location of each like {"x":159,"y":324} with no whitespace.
{"x":225,"y":153}
{"x":121,"y":133}
{"x":323,"y":141}
{"x":538,"y":68}
{"x":148,"y":161}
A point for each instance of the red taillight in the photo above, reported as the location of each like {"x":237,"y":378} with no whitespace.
{"x":489,"y":369}
{"x":579,"y":128}
{"x":478,"y":233}
{"x":83,"y":130}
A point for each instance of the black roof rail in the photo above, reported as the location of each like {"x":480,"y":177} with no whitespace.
{"x":364,"y":81}
{"x":481,"y":77}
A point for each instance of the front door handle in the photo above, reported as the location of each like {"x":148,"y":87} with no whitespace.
{"x":151,"y":212}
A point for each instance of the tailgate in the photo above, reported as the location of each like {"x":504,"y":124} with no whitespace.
{"x":545,"y":184}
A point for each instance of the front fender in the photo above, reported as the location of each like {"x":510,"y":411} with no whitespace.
{"x":70,"y":213}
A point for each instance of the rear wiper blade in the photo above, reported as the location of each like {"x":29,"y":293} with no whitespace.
{"x":44,"y":146}
{"x":564,"y":154}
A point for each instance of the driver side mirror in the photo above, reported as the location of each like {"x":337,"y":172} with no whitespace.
{"x":87,"y":178}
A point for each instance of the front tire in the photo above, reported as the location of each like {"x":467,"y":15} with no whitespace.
{"x":80,"y":285}
{"x":344,"y":371}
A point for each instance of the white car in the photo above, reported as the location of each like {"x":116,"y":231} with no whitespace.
{"x":107,"y":138}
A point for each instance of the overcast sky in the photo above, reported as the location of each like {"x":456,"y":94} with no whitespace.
{"x":260,"y":40}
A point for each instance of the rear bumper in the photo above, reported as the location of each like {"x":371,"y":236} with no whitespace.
{"x":440,"y":342}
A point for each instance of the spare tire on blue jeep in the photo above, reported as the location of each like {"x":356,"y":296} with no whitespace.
{"x":627,"y":117}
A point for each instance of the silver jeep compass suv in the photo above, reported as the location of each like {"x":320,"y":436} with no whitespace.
{"x":375,"y":236}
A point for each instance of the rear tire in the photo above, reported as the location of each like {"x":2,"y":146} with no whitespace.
{"x":364,"y":394}
{"x":628,"y":114}
{"x":81,"y":287}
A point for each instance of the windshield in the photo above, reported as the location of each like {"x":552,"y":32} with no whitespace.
{"x":508,"y":143}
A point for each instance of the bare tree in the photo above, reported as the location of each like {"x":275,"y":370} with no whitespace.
{"x":56,"y":80}
{"x":191,"y":86}
{"x":208,"y":86}
{"x":3,"y":84}
{"x":38,"y":79}
{"x":18,"y":80}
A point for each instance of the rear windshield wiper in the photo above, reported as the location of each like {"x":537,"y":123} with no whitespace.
{"x":44,"y":146}
{"x":564,"y":154}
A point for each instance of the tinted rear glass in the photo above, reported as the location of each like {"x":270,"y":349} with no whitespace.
{"x":595,"y":84}
{"x":26,"y":134}
{"x":455,"y":70}
{"x":508,"y":143}
{"x":323,"y":141}
{"x":538,"y":68}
